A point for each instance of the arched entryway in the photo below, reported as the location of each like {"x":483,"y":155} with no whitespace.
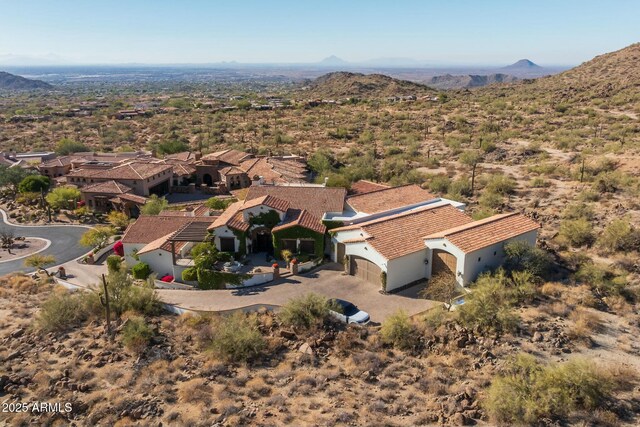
{"x":442,"y":262}
{"x":207,"y":180}
{"x":261,"y":240}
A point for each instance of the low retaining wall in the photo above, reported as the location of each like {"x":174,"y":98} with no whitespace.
{"x":303,"y":267}
{"x":254,"y":280}
{"x":172,"y":285}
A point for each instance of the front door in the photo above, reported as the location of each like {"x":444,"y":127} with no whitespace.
{"x":263,"y":243}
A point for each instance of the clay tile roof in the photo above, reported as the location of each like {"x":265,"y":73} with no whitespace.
{"x":401,"y":234}
{"x":107,"y":187}
{"x":301,"y":218}
{"x":184,"y":156}
{"x":58,"y":161}
{"x":388,"y":198}
{"x":269,"y":201}
{"x":148,"y":228}
{"x":316,"y":200}
{"x":232,"y":157}
{"x":129,"y":171}
{"x":363,"y":186}
{"x":133,"y":198}
{"x":156,"y":244}
{"x":232,"y":218}
{"x":231,"y":170}
{"x":486,"y":232}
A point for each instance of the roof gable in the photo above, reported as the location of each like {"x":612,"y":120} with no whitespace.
{"x":316,"y":200}
{"x":388,"y":198}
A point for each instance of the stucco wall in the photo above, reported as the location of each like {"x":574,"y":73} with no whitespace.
{"x":406,"y":269}
{"x":129,"y":248}
{"x":224,"y":231}
{"x":160,"y":262}
{"x":491,"y":257}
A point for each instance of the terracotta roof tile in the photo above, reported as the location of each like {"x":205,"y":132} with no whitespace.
{"x":107,"y":187}
{"x":129,"y":171}
{"x":397,"y":235}
{"x":486,"y":232}
{"x":316,"y":200}
{"x":301,"y":218}
{"x":363,"y":186}
{"x":231,"y":217}
{"x":133,"y":198}
{"x":232,"y":157}
{"x":269,"y":201}
{"x":148,"y":228}
{"x":388,"y":198}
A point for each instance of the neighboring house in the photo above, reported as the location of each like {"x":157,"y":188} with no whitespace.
{"x":57,"y":167}
{"x":400,"y":249}
{"x":143,"y":178}
{"x":98,"y":196}
{"x":151,"y":239}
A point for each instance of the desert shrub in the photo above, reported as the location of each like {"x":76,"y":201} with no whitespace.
{"x":602,"y":281}
{"x":218,"y":204}
{"x":67,"y":146}
{"x":577,"y":232}
{"x":500,"y":184}
{"x":62,"y":311}
{"x":585,"y":323}
{"x":489,"y":306}
{"x":125,"y":296}
{"x":578,"y":210}
{"x":527,"y":392}
{"x":154,"y":205}
{"x":141,"y":270}
{"x":63,"y":197}
{"x":237,"y":337}
{"x":522,"y":256}
{"x":399,"y":331}
{"x":523,"y":286}
{"x":114,"y":262}
{"x":619,"y":235}
{"x":118,"y":219}
{"x":459,"y":188}
{"x":136,"y":334}
{"x":490,"y":200}
{"x":190,"y":274}
{"x":306,"y":312}
{"x":440,"y":184}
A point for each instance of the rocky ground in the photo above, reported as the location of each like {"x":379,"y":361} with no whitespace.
{"x":331,"y":376}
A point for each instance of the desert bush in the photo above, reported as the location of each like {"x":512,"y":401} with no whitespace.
{"x":500,"y":184}
{"x":398,"y":331}
{"x":459,"y":188}
{"x":489,"y":306}
{"x":585,"y":323}
{"x":440,"y":184}
{"x":136,"y":334}
{"x":141,"y":270}
{"x":154,"y":205}
{"x":237,"y":337}
{"x":527,"y":392}
{"x":125,"y":296}
{"x":97,"y":237}
{"x":490,"y":200}
{"x":63,"y":197}
{"x":190,"y":274}
{"x":118,"y":219}
{"x":34,"y":184}
{"x":619,"y":235}
{"x":114,"y":263}
{"x":306,"y":312}
{"x":578,"y":211}
{"x":577,"y":232}
{"x":63,"y":311}
{"x":522,"y":256}
{"x":602,"y":281}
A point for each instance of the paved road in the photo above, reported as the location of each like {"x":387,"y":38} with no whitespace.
{"x":327,"y":280}
{"x":64,"y":243}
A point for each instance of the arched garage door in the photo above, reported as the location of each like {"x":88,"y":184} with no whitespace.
{"x":366,"y":270}
{"x":443,"y":263}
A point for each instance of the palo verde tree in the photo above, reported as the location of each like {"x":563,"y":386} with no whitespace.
{"x":471,"y":158}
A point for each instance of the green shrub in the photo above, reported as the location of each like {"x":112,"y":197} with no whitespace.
{"x":141,"y":270}
{"x":190,"y":274}
{"x":63,"y":311}
{"x":237,"y":337}
{"x":490,"y":200}
{"x":440,"y":184}
{"x":63,"y":197}
{"x":577,"y":232}
{"x":578,"y":211}
{"x":211,"y":279}
{"x":527,"y":392}
{"x":600,"y":279}
{"x":500,"y":184}
{"x":489,"y":305}
{"x":305,"y":312}
{"x":619,"y":235}
{"x":136,"y":334}
{"x":97,"y":237}
{"x":34,"y":184}
{"x":399,"y":331}
{"x":114,"y":263}
{"x":522,"y":256}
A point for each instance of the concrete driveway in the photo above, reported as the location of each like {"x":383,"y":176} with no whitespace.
{"x":327,"y":280}
{"x":64,"y":243}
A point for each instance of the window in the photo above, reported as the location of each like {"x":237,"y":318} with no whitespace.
{"x":479,"y":259}
{"x":307,"y":246}
{"x":227,"y":244}
{"x":495,"y":253}
{"x":288,"y":244}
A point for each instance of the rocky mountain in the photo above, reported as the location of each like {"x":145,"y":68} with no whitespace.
{"x":343,"y":84}
{"x":332,"y":61}
{"x":13,"y":82}
{"x":612,"y":77}
{"x":523,"y":64}
{"x":468,"y":81}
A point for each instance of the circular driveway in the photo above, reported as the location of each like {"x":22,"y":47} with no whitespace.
{"x":64,"y":243}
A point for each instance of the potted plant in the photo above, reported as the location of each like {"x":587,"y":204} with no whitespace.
{"x":294,"y":266}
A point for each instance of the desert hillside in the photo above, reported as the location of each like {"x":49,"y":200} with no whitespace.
{"x":12,"y":82}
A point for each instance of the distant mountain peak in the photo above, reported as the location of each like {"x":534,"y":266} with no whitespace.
{"x":523,"y":64}
{"x":13,"y":82}
{"x":333,"y":60}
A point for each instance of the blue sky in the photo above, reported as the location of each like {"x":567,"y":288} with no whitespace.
{"x":562,"y":32}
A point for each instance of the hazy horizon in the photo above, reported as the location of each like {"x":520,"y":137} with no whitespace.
{"x":492,"y":34}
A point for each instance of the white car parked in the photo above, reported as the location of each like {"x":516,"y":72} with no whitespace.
{"x":350,"y":313}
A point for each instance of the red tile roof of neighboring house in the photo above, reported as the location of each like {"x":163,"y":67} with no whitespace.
{"x":128,"y":171}
{"x":185,"y":156}
{"x":148,"y":228}
{"x":107,"y":187}
{"x":58,"y":161}
{"x":486,"y":232}
{"x":231,"y":170}
{"x":316,"y":200}
{"x":363,"y":186}
{"x":388,"y":198}
{"x":133,"y":198}
{"x":232,"y":157}
{"x":301,"y":218}
{"x":397,"y":235}
{"x":232,"y":218}
{"x":269,"y":201}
